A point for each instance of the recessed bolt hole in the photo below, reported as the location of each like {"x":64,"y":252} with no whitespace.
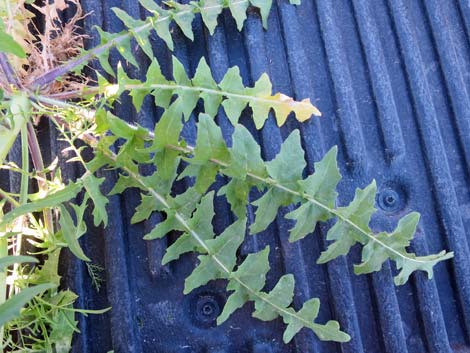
{"x":205,"y":308}
{"x":391,"y":199}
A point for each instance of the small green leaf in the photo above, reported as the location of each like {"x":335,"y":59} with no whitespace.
{"x":320,"y":186}
{"x":10,"y":309}
{"x":49,"y":201}
{"x":267,"y":208}
{"x":286,"y":169}
{"x":72,"y":232}
{"x":305,"y":317}
{"x":210,"y":145}
{"x":252,"y":273}
{"x":200,"y":225}
{"x":203,"y":78}
{"x":184,"y":16}
{"x":210,"y":10}
{"x":92,"y":185}
{"x":20,"y":108}
{"x":245,"y":156}
{"x":281,"y":296}
{"x":11,"y":260}
{"x":264,"y":7}
{"x":238,"y":9}
{"x":288,"y":166}
{"x":232,"y":83}
{"x":223,"y":250}
{"x":8,"y":44}
{"x":187,"y":99}
{"x":344,"y":235}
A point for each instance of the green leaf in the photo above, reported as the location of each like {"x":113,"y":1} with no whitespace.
{"x":267,"y":208}
{"x":285,"y":169}
{"x":20,"y":109}
{"x":320,"y":186}
{"x":8,"y":44}
{"x":147,"y":206}
{"x":238,"y":9}
{"x":223,"y":250}
{"x":305,"y":317}
{"x":245,"y":156}
{"x":123,"y":183}
{"x":49,"y":201}
{"x":210,"y":144}
{"x":344,"y":234}
{"x":264,"y":7}
{"x":210,"y":10}
{"x":289,"y":164}
{"x":237,"y":193}
{"x":72,"y":232}
{"x":203,"y":78}
{"x":10,"y":309}
{"x":162,"y":27}
{"x":140,"y":36}
{"x":393,"y":246}
{"x":92,"y":185}
{"x":232,"y":83}
{"x":252,"y":273}
{"x":183,"y":204}
{"x":281,"y":296}
{"x":187,"y":99}
{"x":11,"y":260}
{"x":184,"y":17}
{"x":199,"y":225}
{"x":167,"y":132}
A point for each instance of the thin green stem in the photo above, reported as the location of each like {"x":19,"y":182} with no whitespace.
{"x":36,"y":157}
{"x":23,"y":195}
{"x":3,"y":278}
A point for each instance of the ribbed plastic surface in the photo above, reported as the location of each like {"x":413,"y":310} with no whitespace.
{"x":392,"y":80}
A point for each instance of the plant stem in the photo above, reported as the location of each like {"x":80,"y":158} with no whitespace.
{"x":23,"y":196}
{"x":38,"y":164}
{"x":8,"y":71}
{"x":3,"y":278}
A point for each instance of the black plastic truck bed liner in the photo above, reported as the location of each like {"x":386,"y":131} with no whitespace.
{"x":392,"y":80}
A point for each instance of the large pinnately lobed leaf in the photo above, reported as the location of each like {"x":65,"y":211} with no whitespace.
{"x":229,"y":93}
{"x":282,"y":183}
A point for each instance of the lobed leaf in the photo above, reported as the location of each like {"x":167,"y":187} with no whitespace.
{"x":49,"y":201}
{"x":223,"y":252}
{"x":315,"y":196}
{"x":11,"y":308}
{"x":230,"y":93}
{"x":72,"y":232}
{"x":92,"y":185}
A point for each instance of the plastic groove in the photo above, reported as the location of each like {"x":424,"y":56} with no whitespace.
{"x":464,"y":8}
{"x":454,"y":70}
{"x":122,"y":316}
{"x":379,"y":76}
{"x":344,"y":92}
{"x":389,"y":92}
{"x":436,"y":158}
{"x":430,"y":309}
{"x":389,"y":311}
